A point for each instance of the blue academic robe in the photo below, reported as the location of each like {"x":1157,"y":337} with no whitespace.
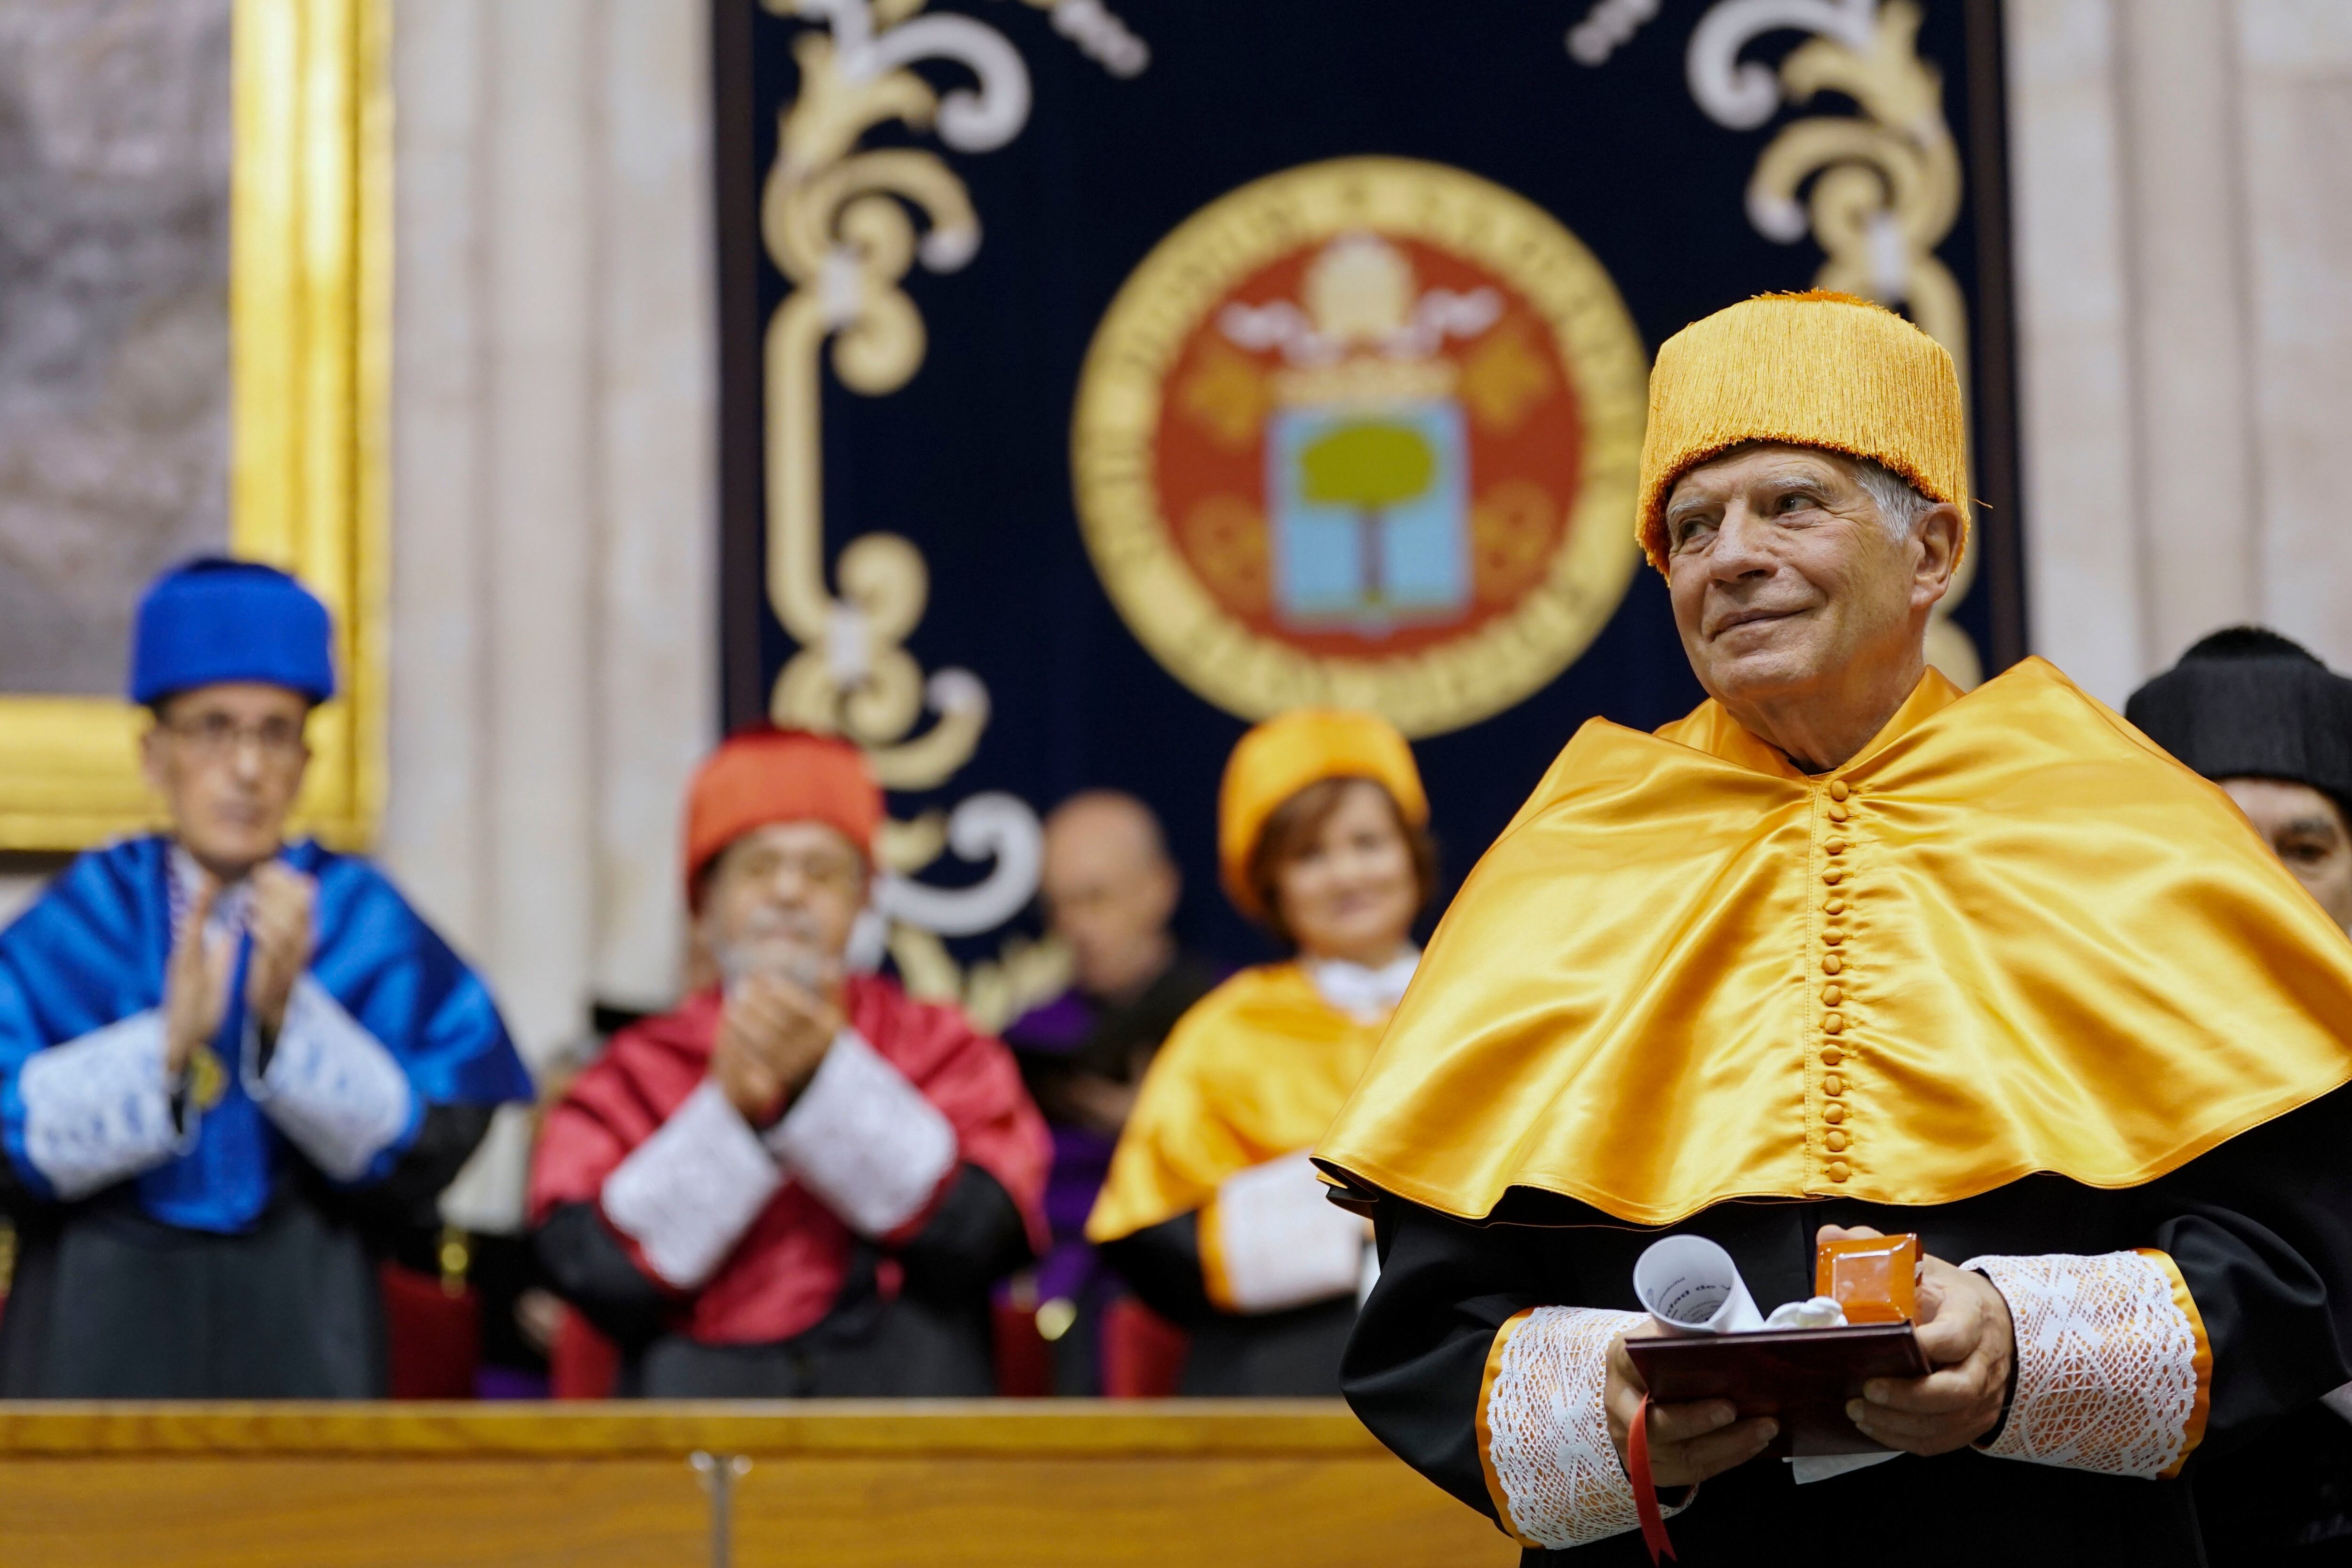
{"x":91,"y":951}
{"x":235,"y":1212}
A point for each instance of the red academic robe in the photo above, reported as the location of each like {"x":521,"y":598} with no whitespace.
{"x":784,"y":1273}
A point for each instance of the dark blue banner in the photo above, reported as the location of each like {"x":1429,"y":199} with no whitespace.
{"x":1100,"y":376}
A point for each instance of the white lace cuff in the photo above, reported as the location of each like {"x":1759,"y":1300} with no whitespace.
{"x":332,"y":1087}
{"x":1270,"y":1240}
{"x":99,"y":1108}
{"x":686,"y":1194}
{"x":1543,"y":1433}
{"x":865,"y":1140}
{"x":2112,"y":1366}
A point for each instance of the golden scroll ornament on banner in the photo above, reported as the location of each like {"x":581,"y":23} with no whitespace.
{"x":1363,"y":433}
{"x":839,"y":221}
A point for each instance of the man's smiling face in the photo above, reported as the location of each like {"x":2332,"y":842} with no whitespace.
{"x":1783,"y":574}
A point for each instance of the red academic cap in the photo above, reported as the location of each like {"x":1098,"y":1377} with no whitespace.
{"x":766,"y":775}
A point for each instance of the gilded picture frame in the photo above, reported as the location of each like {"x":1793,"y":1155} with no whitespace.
{"x":310,"y":294}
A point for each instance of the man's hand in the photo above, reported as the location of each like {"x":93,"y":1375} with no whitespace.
{"x":1688,"y":1442}
{"x":772,"y":1036}
{"x":196,"y":982}
{"x":284,"y":936}
{"x":1966,"y":1333}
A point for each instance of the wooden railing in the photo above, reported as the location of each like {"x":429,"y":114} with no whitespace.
{"x":1241,"y":1484}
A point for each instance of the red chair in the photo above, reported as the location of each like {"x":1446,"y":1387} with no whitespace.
{"x":436,"y":1338}
{"x":1142,"y":1352}
{"x":582,"y":1363}
{"x":1024,"y":1360}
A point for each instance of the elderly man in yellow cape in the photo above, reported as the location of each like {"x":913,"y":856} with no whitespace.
{"x":1848,"y":949}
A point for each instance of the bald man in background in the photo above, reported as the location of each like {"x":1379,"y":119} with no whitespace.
{"x":1109,"y":890}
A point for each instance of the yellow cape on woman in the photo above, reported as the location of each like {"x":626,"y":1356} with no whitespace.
{"x":1255,"y":1070}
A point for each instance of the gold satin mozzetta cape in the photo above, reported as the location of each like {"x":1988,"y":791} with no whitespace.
{"x":2010,"y":936}
{"x":1256,"y":1071}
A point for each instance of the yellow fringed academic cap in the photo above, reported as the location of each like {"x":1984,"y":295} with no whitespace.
{"x":1284,"y":754}
{"x":1812,"y":370}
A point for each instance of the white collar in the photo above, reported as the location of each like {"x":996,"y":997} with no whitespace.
{"x":188,"y":880}
{"x":1366,"y":995}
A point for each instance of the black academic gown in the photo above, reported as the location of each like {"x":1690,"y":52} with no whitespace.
{"x":927,"y":1337}
{"x":2283,"y":1501}
{"x":107,"y":1303}
{"x":1291,"y":1354}
{"x":2261,"y":1229}
{"x":1118,"y":1040}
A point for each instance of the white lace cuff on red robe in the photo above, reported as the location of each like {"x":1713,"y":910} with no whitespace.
{"x":686,"y":1194}
{"x":865,"y":1140}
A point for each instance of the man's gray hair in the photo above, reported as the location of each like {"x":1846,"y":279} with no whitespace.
{"x":1900,"y":504}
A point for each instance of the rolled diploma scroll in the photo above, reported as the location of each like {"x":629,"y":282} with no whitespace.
{"x":1690,"y":1286}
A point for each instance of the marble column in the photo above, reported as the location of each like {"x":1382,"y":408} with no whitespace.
{"x":2295,"y":143}
{"x":2186,"y":255}
{"x":553,"y":507}
{"x":2184,"y":218}
{"x":2075,"y":343}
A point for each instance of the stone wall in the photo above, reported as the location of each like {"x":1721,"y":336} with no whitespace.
{"x":2182,"y":172}
{"x":553,"y":603}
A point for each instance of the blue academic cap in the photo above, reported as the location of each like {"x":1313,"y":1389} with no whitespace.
{"x":213,"y":618}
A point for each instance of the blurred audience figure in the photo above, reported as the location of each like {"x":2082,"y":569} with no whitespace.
{"x":1110,"y":891}
{"x":801,"y":1183}
{"x":1211,"y":1210}
{"x":2270,"y":724}
{"x":2261,"y":717}
{"x":229,"y":1063}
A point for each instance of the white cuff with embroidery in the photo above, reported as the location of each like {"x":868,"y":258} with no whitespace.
{"x":98,"y":1109}
{"x":686,"y":1194}
{"x":332,"y":1087}
{"x":2111,"y":1370}
{"x":1275,"y":1242}
{"x":1543,"y":1429}
{"x":865,"y":1140}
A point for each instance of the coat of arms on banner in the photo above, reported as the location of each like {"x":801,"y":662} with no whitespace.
{"x":1364,"y":433}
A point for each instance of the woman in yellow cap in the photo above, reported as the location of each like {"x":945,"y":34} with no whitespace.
{"x":1210,"y":1210}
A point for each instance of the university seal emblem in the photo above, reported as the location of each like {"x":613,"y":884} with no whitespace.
{"x":1364,"y":433}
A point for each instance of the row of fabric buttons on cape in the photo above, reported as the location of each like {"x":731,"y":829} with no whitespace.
{"x":1836,"y":977}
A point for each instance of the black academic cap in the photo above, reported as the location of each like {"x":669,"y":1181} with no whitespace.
{"x":2248,"y":703}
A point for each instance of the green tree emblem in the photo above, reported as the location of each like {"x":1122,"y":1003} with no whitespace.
{"x":1368,"y":468}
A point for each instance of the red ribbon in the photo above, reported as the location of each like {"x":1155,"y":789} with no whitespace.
{"x":1645,"y":1490}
